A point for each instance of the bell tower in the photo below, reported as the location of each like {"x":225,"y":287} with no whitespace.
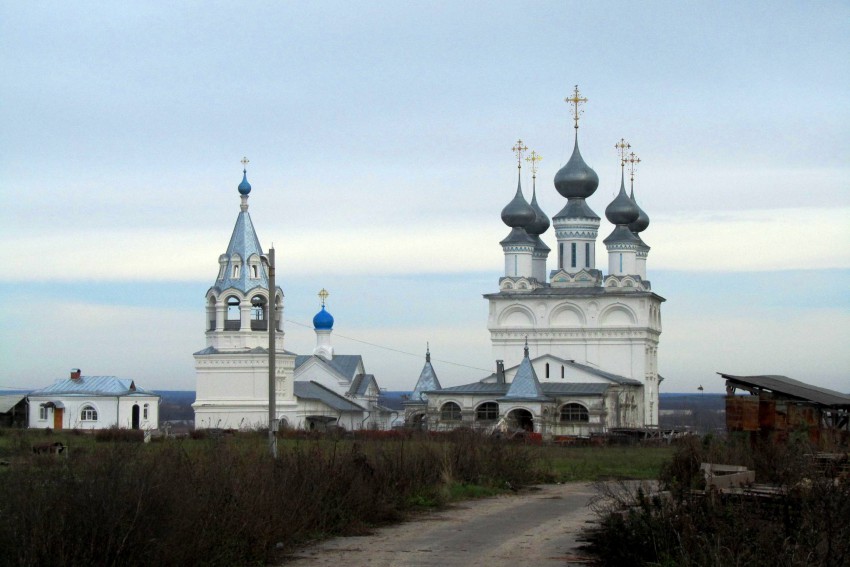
{"x":232,"y":371}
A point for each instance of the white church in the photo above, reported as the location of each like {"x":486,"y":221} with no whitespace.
{"x":576,"y":352}
{"x":313,"y":392}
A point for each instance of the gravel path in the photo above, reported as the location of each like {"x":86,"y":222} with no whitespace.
{"x":537,"y":527}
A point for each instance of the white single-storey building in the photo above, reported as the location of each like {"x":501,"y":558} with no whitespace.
{"x":93,"y":402}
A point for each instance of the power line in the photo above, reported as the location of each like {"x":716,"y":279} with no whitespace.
{"x":392,"y":349}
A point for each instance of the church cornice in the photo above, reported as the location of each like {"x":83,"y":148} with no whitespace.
{"x":520,"y":333}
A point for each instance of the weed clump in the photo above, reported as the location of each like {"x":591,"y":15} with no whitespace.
{"x":221,"y":500}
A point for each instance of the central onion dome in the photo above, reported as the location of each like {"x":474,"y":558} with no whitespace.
{"x":518,"y":213}
{"x":540,"y":224}
{"x":244,"y":187}
{"x":622,"y":209}
{"x":642,"y":221}
{"x":576,"y":179}
{"x":323,"y":321}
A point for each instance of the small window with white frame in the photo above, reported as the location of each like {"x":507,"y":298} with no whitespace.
{"x":88,"y":413}
{"x":42,"y":412}
{"x":145,"y":411}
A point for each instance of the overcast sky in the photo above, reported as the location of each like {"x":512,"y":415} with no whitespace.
{"x":379,"y":135}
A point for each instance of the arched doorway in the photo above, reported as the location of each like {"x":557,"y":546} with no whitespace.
{"x":135,"y":424}
{"x":521,"y":419}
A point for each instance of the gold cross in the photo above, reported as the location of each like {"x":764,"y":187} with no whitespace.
{"x":244,"y":162}
{"x":622,"y":146}
{"x":323,"y":295}
{"x":533,"y":158}
{"x":519,"y":149}
{"x":576,"y":100}
{"x":633,"y":161}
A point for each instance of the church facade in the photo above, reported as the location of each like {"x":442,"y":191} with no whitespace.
{"x":312,"y":392}
{"x":576,"y":348}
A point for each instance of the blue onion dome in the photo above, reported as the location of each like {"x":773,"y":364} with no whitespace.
{"x":518,"y":213}
{"x":540,"y":224}
{"x":244,"y":187}
{"x":643,"y":219}
{"x":576,"y":179}
{"x":622,"y":210}
{"x":323,"y":321}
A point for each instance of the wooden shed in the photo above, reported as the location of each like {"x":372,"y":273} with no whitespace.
{"x":778,"y":406}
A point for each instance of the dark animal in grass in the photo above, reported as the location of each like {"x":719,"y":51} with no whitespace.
{"x":48,"y":448}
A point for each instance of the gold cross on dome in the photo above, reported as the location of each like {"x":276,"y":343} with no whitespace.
{"x":244,"y":161}
{"x":519,"y":149}
{"x":323,"y":295}
{"x":633,"y":161}
{"x":622,"y":147}
{"x":576,"y":100}
{"x":533,"y":158}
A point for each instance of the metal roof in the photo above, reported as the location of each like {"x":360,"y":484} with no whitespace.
{"x":548,"y":291}
{"x":93,"y":386}
{"x":575,"y":389}
{"x":361,"y":384}
{"x":525,"y":384}
{"x":344,"y":364}
{"x":256,"y":350}
{"x":8,"y":402}
{"x":315,"y":391}
{"x":793,"y":388}
{"x":577,"y":209}
{"x":427,"y":382}
{"x":551,"y":390}
{"x":244,"y":243}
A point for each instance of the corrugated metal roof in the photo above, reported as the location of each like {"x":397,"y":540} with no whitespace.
{"x":793,"y":388}
{"x":314,"y":391}
{"x":93,"y":386}
{"x":8,"y":402}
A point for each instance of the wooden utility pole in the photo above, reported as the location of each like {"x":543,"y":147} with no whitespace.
{"x":272,"y":324}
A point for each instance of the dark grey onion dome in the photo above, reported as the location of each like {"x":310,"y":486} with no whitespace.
{"x":643,"y":219}
{"x":576,"y":178}
{"x":540,"y":224}
{"x":518,"y":213}
{"x":622,"y":210}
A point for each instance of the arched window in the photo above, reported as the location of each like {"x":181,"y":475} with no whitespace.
{"x":450,"y":412}
{"x":234,"y":317}
{"x":255,"y":273}
{"x":145,"y":411}
{"x":88,"y":413}
{"x":488,"y":411}
{"x":573,"y":413}
{"x":258,"y":311}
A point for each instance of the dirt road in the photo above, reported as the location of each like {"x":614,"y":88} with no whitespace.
{"x":534,"y":528}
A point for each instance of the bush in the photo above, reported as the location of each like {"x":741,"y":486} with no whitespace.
{"x":117,"y":434}
{"x":806,"y":524}
{"x":224,"y":501}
